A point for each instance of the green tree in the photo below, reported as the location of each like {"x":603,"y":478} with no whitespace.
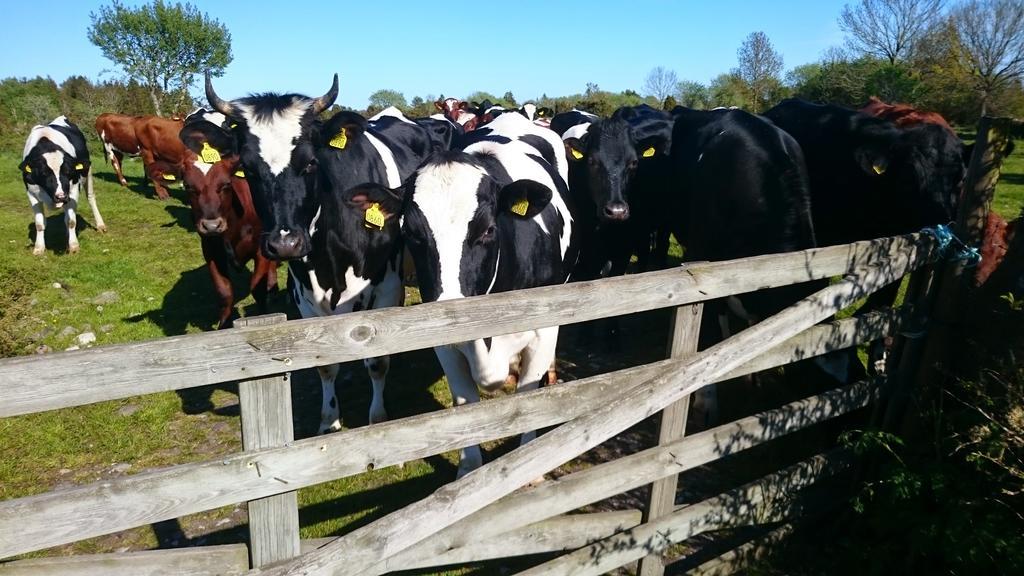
{"x":759,"y":68}
{"x":693,"y":94}
{"x":383,"y":98}
{"x":162,"y":46}
{"x":989,"y":40}
{"x":510,"y":99}
{"x":727,"y":90}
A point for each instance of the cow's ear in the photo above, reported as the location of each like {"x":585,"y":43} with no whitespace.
{"x":873,"y":161}
{"x":25,"y":169}
{"x":439,"y":105}
{"x":342,"y":130}
{"x":376,"y":202}
{"x":574,"y":149}
{"x":207,"y":141}
{"x":524,"y":198}
{"x":653,"y":146}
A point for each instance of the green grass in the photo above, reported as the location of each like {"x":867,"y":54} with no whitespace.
{"x":1009,"y":197}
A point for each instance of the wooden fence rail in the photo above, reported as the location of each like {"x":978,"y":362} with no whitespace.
{"x":600,"y":406}
{"x":36,"y":384}
{"x":366,"y":547}
{"x":71,"y":514}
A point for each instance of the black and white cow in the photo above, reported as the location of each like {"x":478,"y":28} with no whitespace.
{"x":539,"y":115}
{"x":489,"y":218}
{"x":54,"y":163}
{"x":309,"y":184}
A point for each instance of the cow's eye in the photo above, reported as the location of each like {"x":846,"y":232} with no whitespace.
{"x":487,"y":235}
{"x":311,"y":167}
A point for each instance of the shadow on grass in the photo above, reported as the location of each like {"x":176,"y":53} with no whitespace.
{"x":142,"y":186}
{"x":56,"y":233}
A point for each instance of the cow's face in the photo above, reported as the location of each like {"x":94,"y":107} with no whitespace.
{"x":922,"y":171}
{"x":454,"y":213}
{"x":610,"y":156}
{"x":274,"y":135}
{"x":49,"y":169}
{"x":212,"y":176}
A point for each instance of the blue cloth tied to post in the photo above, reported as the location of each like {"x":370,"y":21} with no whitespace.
{"x":952,"y":247}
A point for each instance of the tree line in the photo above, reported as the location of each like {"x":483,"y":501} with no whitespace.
{"x":961,"y":59}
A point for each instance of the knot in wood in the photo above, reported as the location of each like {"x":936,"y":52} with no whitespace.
{"x":361,"y":333}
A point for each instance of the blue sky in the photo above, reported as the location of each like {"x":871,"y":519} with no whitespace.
{"x":530,"y":47}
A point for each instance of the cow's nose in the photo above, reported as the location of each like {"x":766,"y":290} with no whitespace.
{"x":212,"y":226}
{"x":286,"y":245}
{"x":616,"y":211}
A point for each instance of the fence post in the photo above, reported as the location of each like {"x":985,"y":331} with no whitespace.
{"x":952,"y":279}
{"x":685,"y":331}
{"x":266,"y":410}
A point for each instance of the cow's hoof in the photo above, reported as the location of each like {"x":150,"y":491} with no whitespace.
{"x":38,"y":251}
{"x":124,"y":183}
{"x":102,"y":228}
{"x":72,"y":248}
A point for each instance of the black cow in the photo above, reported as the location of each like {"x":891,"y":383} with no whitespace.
{"x":53,"y":166}
{"x":617,"y":176}
{"x":869,"y":178}
{"x":489,"y":218}
{"x":341,"y":240}
{"x":740,"y":189}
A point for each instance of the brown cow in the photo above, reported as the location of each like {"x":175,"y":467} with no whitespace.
{"x":998,"y":232}
{"x":223,"y":212}
{"x":903,"y":115}
{"x":153,"y":138}
{"x":117,"y":132}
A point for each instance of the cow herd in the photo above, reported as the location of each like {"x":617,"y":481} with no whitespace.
{"x":488,"y":200}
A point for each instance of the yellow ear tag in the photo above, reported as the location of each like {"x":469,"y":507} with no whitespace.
{"x":521,"y":206}
{"x":648,"y":153}
{"x":240,"y":173}
{"x":374,"y":217}
{"x":878,"y":169}
{"x":169,"y":177}
{"x":576,"y":153}
{"x":28,"y":169}
{"x":340,"y":140}
{"x":209,"y":154}
{"x":233,"y":125}
{"x":79,"y":166}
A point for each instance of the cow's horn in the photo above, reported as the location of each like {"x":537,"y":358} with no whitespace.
{"x":222,"y":106}
{"x":324,"y":102}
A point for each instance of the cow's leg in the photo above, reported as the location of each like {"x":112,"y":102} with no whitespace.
{"x":330,"y":419}
{"x":378,"y":370}
{"x":147,"y":162}
{"x":71,"y":220}
{"x":537,"y":359}
{"x":40,"y":220}
{"x":118,"y":161}
{"x":259,"y":282}
{"x":464,"y":391}
{"x":91,"y":194}
{"x":217,"y":264}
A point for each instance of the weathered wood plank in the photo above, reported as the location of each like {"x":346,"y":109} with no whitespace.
{"x":71,"y":514}
{"x":762,"y":500}
{"x":225,"y":560}
{"x":371,"y":544}
{"x":662,"y":498}
{"x":35,"y":384}
{"x":552,"y":535}
{"x":609,"y":478}
{"x":266,"y":413}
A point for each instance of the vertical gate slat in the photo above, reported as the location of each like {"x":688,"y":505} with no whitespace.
{"x":684,"y":334}
{"x":266,"y":409}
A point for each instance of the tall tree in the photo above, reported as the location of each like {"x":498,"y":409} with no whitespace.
{"x":888,"y":29}
{"x":989,"y":40}
{"x":162,"y":46}
{"x":660,"y":82}
{"x":759,"y":68}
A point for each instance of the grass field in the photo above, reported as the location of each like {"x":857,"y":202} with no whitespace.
{"x":146,"y":279}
